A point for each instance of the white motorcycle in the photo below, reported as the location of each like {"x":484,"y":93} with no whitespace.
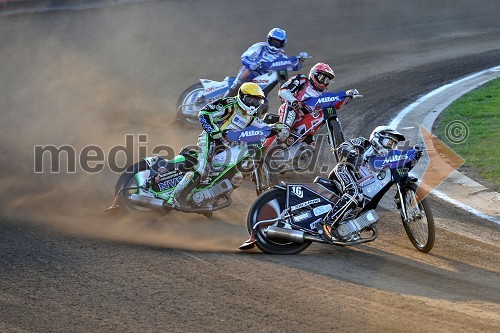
{"x":207,"y":91}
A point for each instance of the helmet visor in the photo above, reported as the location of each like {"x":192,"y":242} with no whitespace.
{"x":276,"y":42}
{"x":253,"y":101}
{"x":323,"y":78}
{"x":388,"y":143}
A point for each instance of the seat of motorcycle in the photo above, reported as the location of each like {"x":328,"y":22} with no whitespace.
{"x":324,"y":181}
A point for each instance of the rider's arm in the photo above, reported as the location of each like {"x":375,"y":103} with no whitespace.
{"x":210,"y":112}
{"x":257,"y":122}
{"x":288,"y":90}
{"x":251,"y":57}
{"x":358,"y":145}
{"x":298,"y":64}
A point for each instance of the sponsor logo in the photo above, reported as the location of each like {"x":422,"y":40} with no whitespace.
{"x":318,"y":211}
{"x":297,"y":190}
{"x":213,"y":88}
{"x":239,"y":121}
{"x":305,"y":204}
{"x":261,"y":81}
{"x":327,"y":99}
{"x":247,"y":134}
{"x":395,"y":158}
{"x":166,"y":176}
{"x":169,"y":183}
{"x":289,"y":118}
{"x":369,"y":180}
{"x":282,"y":63}
{"x":302,"y":217}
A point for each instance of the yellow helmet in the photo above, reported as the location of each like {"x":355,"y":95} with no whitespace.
{"x":250,"y":97}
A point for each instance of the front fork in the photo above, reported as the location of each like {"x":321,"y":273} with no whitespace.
{"x":400,"y":202}
{"x":256,"y":175}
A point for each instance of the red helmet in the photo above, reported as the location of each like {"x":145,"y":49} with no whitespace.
{"x":320,"y":76}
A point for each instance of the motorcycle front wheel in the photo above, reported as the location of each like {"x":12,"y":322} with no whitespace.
{"x":420,"y":223}
{"x":188,"y":106}
{"x":269,"y":206}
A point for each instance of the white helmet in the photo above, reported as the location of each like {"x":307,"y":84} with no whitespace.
{"x":250,"y":97}
{"x":385,"y":138}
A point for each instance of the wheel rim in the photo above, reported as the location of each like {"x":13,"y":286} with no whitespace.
{"x":279,"y":159}
{"x":269,"y":210}
{"x":191,"y":108}
{"x":417,"y":222}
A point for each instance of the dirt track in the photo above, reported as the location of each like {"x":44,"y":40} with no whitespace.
{"x":90,"y":77}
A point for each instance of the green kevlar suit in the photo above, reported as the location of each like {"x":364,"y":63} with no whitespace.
{"x":221,"y":115}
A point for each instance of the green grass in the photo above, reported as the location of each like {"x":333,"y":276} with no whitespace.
{"x":479,"y":110}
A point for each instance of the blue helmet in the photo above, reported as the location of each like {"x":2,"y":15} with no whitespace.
{"x":276,"y":40}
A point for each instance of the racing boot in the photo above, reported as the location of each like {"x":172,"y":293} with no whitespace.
{"x":326,"y":231}
{"x":178,"y":197}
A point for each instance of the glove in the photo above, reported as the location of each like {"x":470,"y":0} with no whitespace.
{"x":278,"y":127}
{"x":303,"y":55}
{"x":419,"y":151}
{"x":353,"y":154}
{"x":352,"y":92}
{"x":283,"y":131}
{"x":255,"y":66}
{"x":216,"y":135}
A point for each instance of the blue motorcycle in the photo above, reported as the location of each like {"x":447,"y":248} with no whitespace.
{"x":283,"y":219}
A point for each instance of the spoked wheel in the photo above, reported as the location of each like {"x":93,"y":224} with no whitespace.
{"x":420,"y":224}
{"x":132,"y":179}
{"x":278,"y":159}
{"x":267,"y":207}
{"x":187,"y":106}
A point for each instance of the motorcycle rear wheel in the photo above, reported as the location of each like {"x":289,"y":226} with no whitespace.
{"x":268,"y":206}
{"x":128,"y":180}
{"x":187,"y":108}
{"x":420,"y":225}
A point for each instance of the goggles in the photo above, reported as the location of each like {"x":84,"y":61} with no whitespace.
{"x":276,"y":42}
{"x":323,"y":78}
{"x":254,"y":101}
{"x":388,"y":143}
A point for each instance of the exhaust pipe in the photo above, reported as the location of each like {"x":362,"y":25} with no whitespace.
{"x":147,"y":202}
{"x":295,"y":236}
{"x":298,"y":236}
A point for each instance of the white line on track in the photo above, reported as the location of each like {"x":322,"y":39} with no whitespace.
{"x":400,"y":116}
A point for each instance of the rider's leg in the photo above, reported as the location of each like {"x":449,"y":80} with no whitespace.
{"x":244,"y":75}
{"x":188,"y":182}
{"x":287,"y":116}
{"x":350,"y":199}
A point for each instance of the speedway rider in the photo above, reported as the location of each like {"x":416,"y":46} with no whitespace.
{"x":260,"y":52}
{"x":301,"y":87}
{"x":354,"y":154}
{"x":227,"y":113}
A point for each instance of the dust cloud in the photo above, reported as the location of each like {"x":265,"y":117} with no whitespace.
{"x":81,"y":78}
{"x":80,"y":83}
